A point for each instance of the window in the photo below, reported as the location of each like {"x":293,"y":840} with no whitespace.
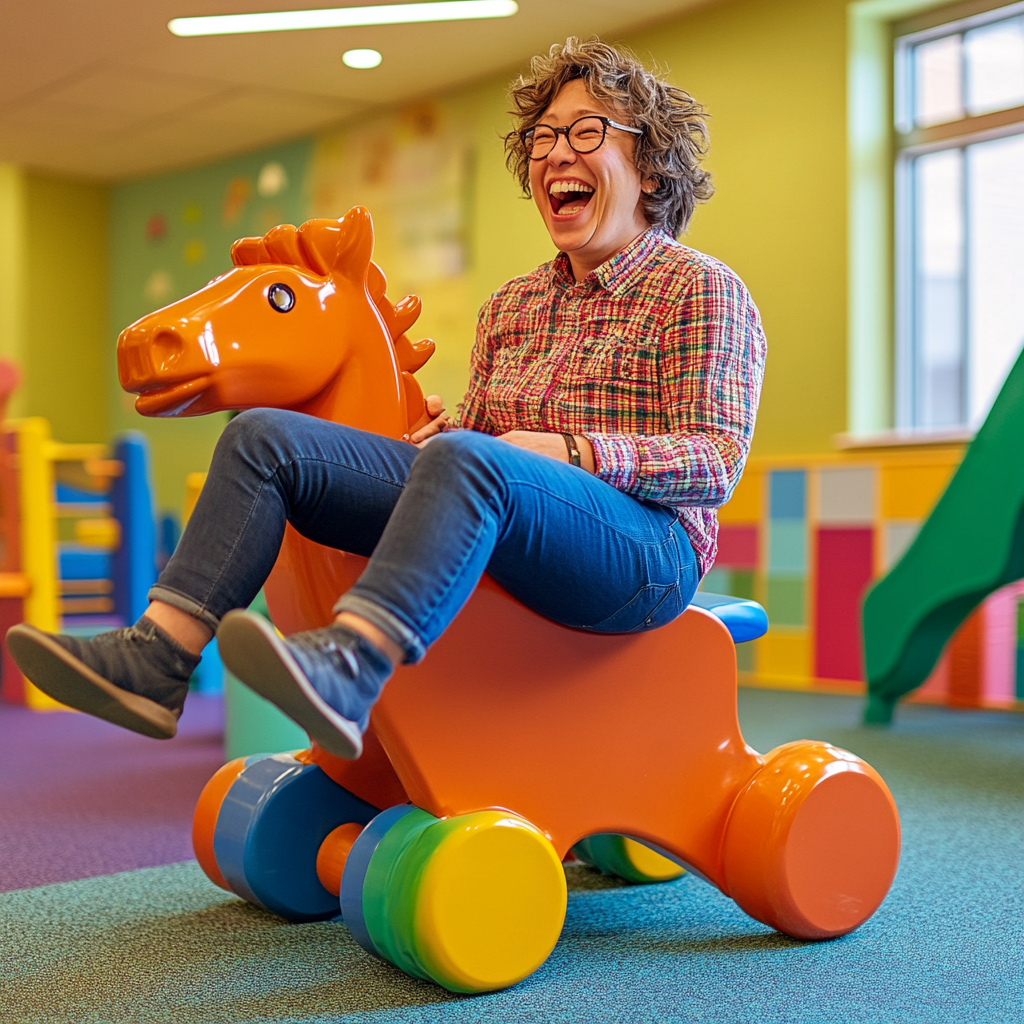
{"x":959,"y":123}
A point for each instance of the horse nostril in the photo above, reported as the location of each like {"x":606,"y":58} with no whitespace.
{"x":166,"y":349}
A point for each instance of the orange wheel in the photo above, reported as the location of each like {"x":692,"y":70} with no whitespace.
{"x":812,"y":844}
{"x":204,"y":820}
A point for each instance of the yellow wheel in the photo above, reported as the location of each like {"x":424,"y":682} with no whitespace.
{"x":475,"y":902}
{"x":626,"y":858}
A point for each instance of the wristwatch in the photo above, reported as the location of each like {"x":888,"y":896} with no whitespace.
{"x":571,"y":447}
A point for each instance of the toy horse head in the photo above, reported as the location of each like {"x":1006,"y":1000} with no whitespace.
{"x":301,"y":322}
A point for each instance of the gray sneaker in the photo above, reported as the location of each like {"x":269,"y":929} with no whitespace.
{"x":135,"y":677}
{"x":326,"y":680}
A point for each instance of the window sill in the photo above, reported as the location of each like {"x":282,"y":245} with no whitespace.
{"x":904,"y":439}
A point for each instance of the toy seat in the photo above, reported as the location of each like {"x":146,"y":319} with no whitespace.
{"x":745,"y":620}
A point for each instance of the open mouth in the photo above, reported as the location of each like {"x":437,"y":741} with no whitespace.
{"x":569,"y":197}
{"x":172,"y":400}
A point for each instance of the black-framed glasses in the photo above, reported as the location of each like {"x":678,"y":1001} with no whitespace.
{"x":584,"y":135}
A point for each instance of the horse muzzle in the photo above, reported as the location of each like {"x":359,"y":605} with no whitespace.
{"x":168,"y":370}
{"x":153,"y":357}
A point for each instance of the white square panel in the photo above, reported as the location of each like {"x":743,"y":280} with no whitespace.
{"x":897,"y":536}
{"x":847,"y":495}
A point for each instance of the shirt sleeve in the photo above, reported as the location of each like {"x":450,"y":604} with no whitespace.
{"x":471,"y":412}
{"x":712,"y":368}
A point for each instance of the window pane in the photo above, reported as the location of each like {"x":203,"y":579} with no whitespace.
{"x":938,"y":288}
{"x":995,"y":199}
{"x":995,"y":66}
{"x":937,"y":92}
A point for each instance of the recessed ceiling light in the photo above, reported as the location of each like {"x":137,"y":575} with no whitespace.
{"x":361,"y":58}
{"x":342,"y":17}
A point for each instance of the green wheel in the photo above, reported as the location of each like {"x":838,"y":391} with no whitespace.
{"x":626,"y":858}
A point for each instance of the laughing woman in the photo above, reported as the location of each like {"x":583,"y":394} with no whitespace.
{"x":610,"y":409}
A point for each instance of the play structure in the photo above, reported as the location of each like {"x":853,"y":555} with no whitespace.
{"x":14,"y":584}
{"x":516,"y":740}
{"x":78,"y":538}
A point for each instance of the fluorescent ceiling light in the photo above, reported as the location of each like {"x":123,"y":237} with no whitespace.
{"x":362,"y":59}
{"x":342,"y":17}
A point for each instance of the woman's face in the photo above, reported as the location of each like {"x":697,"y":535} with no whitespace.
{"x":593,"y":224}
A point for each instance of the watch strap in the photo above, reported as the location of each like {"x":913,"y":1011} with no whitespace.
{"x":572,"y":448}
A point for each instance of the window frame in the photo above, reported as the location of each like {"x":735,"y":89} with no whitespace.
{"x":908,"y":143}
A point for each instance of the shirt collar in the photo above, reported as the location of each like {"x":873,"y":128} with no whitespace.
{"x":619,"y":274}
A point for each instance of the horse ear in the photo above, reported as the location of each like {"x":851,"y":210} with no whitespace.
{"x":247,"y":252}
{"x":282,"y":245}
{"x":339,"y":246}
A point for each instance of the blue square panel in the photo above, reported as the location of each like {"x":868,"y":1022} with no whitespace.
{"x":788,"y":494}
{"x":787,"y":547}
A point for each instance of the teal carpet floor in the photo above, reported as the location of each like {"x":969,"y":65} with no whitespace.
{"x":163,"y":944}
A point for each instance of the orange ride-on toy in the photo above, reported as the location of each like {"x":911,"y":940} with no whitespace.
{"x":442,"y":845}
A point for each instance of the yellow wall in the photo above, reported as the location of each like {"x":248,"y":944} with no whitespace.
{"x":53,"y":261}
{"x":772,"y":74}
{"x":66,"y":312}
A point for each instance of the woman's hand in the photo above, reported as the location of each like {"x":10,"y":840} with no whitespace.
{"x":552,"y":445}
{"x":432,"y":422}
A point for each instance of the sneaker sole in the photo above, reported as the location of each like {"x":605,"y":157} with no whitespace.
{"x":62,"y":676}
{"x":251,"y":649}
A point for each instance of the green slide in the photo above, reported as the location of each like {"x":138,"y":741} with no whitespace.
{"x":970,"y":545}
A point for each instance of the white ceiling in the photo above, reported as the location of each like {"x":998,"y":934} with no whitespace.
{"x":101,"y":89}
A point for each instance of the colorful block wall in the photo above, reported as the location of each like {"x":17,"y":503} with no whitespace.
{"x":807,"y":536}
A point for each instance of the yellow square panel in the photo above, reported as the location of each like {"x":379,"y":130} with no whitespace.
{"x":909,"y":491}
{"x":746,"y":503}
{"x":784,"y":655}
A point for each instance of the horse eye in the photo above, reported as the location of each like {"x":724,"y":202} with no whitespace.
{"x":281,"y":298}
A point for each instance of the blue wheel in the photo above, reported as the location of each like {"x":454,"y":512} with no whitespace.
{"x":272,"y":821}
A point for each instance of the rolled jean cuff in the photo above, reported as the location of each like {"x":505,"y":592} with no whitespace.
{"x":185,"y":604}
{"x":389,"y":624}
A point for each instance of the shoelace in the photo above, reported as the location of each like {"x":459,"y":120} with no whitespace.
{"x":342,"y":658}
{"x":127,"y":634}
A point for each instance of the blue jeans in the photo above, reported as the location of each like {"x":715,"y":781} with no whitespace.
{"x":432,"y":520}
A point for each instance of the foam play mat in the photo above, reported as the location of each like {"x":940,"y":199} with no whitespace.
{"x":164,"y":944}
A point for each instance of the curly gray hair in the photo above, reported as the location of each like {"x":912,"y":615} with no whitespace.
{"x":675,"y":136}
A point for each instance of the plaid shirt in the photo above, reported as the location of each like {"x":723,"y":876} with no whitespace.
{"x":656,"y":357}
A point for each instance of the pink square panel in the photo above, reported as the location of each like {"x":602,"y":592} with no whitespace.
{"x":737,"y":547}
{"x":845,"y":563}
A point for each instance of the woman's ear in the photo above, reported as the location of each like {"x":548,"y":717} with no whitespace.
{"x":649,"y":185}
